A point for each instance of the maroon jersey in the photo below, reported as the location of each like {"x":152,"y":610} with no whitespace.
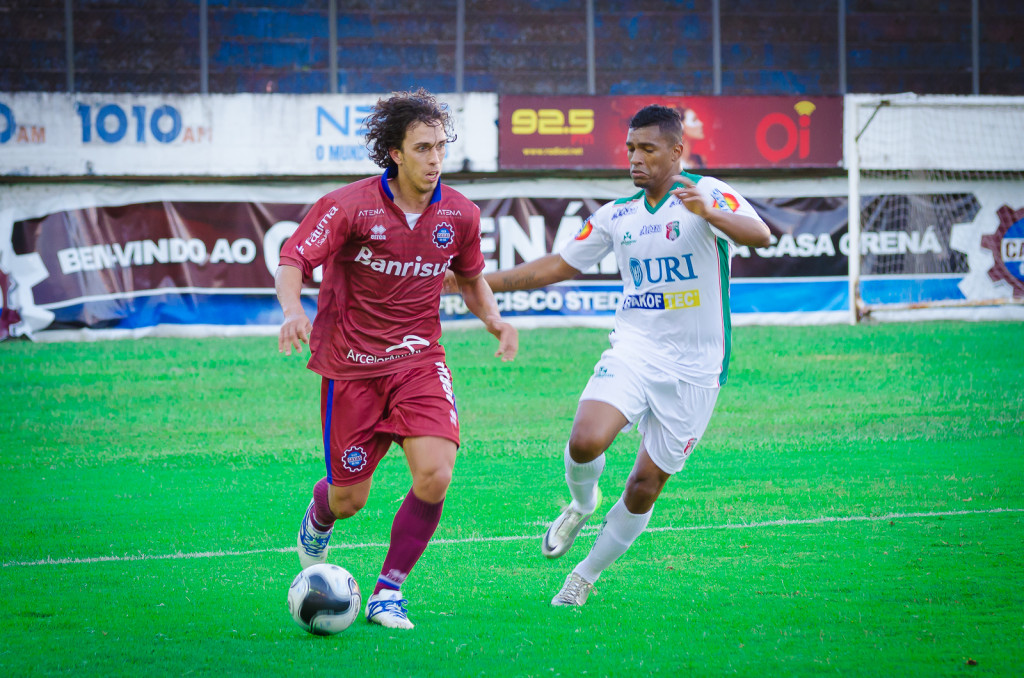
{"x":378,"y":309}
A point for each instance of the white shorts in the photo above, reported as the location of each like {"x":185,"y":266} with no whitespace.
{"x":670,"y":414}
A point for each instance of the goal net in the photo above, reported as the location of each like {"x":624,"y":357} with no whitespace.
{"x":936,"y":201}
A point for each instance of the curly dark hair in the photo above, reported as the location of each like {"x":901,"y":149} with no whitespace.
{"x":392,"y":117}
{"x":667,"y":119}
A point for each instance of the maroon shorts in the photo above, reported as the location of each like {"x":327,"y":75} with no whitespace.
{"x":362,"y":417}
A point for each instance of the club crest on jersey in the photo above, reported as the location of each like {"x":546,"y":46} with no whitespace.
{"x":354,"y":459}
{"x":377,"y":233}
{"x":725,"y":201}
{"x":443,"y":235}
{"x":672,"y":230}
{"x":585,"y":230}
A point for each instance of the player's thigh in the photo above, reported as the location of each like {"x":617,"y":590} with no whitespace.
{"x":679,"y":416}
{"x":431,"y":462}
{"x":594,"y":429}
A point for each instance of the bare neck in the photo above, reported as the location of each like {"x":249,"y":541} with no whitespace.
{"x":407,"y":197}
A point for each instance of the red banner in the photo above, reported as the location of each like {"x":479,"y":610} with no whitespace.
{"x":589,"y":132}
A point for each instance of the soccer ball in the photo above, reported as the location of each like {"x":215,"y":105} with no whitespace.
{"x":324,"y":599}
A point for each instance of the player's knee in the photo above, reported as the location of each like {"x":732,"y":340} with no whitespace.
{"x":432,"y":485}
{"x":641,"y":493}
{"x":585,"y":446}
{"x":346,"y":507}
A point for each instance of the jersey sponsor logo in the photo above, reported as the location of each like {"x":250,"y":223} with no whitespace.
{"x":628,"y":239}
{"x":443,"y":235}
{"x":400,"y":268}
{"x":353,"y":459}
{"x":725,"y":201}
{"x":649,"y":229}
{"x":601,"y":372}
{"x":672,"y":230}
{"x":624,"y":211}
{"x":408,"y":341}
{"x":585,"y":230}
{"x":661,"y":269}
{"x":377,"y":233}
{"x":658,"y":301}
{"x":449,"y":213}
{"x":319,"y":235}
{"x":379,"y":211}
{"x":365,"y":359}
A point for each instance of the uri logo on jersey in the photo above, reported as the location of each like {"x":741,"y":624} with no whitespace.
{"x":443,"y":234}
{"x":661,"y":269}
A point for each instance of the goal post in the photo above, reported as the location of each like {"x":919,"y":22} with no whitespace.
{"x":936,"y":201}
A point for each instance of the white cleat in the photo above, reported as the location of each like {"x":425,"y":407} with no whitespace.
{"x":563,"y":531}
{"x":387,"y":608}
{"x":574,"y":592}
{"x":312,"y":542}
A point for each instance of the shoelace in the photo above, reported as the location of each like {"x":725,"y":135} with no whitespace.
{"x":313,"y":542}
{"x":573,"y":589}
{"x":395,"y":607}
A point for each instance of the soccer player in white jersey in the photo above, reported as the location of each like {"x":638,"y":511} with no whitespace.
{"x":670,"y":348}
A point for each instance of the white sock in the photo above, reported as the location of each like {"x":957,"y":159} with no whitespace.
{"x":620,"y":530}
{"x":582,"y":480}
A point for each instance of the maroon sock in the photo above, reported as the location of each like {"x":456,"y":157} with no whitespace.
{"x":414,"y":525}
{"x":323,"y":517}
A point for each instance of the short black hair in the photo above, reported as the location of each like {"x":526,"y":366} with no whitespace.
{"x":667,"y":119}
{"x":392,"y":117}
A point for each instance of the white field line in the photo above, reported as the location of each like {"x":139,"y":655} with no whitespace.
{"x":481,"y":540}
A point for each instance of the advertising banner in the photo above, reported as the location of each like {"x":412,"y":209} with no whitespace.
{"x":589,"y":132}
{"x":232,"y":135}
{"x":207,"y":256}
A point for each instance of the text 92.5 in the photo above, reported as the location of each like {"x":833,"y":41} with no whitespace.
{"x":552,"y":121}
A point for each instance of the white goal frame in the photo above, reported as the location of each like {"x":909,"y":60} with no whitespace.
{"x":870,"y":144}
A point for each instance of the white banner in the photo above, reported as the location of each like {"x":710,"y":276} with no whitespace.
{"x":225,"y":135}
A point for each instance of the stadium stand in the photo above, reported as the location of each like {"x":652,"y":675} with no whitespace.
{"x":521,"y":47}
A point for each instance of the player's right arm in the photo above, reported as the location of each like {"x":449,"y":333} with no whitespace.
{"x":309,"y":246}
{"x":530,"y":275}
{"x":295,"y":330}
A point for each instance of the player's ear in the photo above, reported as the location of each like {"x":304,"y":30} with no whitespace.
{"x":396,"y":155}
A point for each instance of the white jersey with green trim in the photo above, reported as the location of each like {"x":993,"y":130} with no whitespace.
{"x":675,"y":273}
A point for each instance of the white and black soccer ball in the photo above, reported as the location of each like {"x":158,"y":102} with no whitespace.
{"x":324,"y":599}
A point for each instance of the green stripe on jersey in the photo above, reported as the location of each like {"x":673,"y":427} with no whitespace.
{"x":637,"y":196}
{"x":723,"y":266}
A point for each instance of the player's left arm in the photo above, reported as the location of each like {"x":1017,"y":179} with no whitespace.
{"x":741,"y":229}
{"x":480,"y":299}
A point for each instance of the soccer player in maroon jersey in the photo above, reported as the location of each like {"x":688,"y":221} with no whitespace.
{"x":385,"y":243}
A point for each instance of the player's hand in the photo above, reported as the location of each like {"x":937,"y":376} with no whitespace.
{"x":691,"y":197}
{"x":451,"y":283}
{"x":294,"y":333}
{"x":508,"y":338}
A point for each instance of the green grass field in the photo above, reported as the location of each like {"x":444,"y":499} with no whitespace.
{"x":856,"y":508}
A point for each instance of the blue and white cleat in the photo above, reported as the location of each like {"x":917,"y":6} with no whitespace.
{"x":563,"y":531}
{"x":312,"y":542}
{"x":387,"y":608}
